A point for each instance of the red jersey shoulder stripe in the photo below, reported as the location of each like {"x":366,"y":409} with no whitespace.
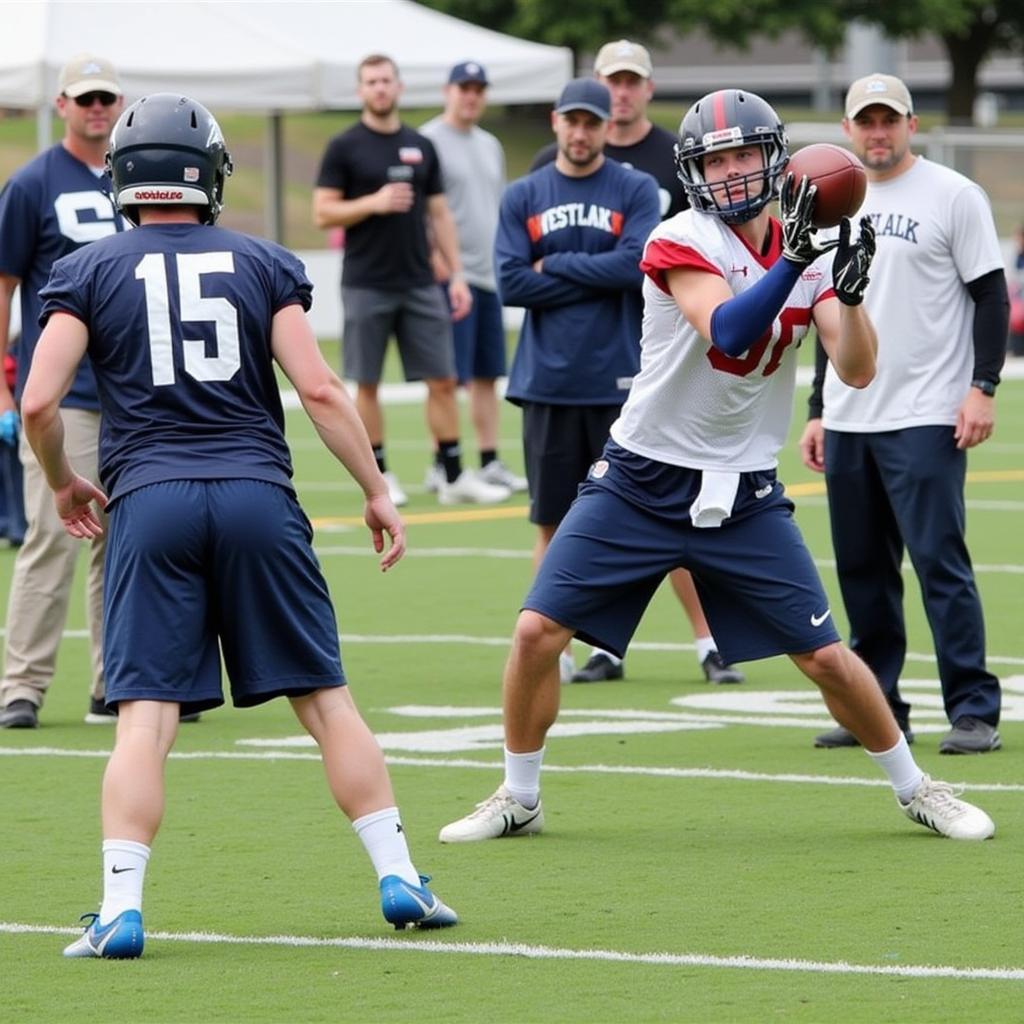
{"x":661,"y":255}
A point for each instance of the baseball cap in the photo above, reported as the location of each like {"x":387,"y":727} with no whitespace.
{"x":888,"y":90}
{"x":467,"y":71}
{"x":585,"y":94}
{"x":87,"y":73}
{"x":623,"y":56}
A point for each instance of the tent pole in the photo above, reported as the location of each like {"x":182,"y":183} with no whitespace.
{"x":273,"y":179}
{"x":44,"y":127}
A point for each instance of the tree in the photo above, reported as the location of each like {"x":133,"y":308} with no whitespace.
{"x":970,"y":30}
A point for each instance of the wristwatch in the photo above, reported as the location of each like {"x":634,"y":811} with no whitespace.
{"x":986,"y":387}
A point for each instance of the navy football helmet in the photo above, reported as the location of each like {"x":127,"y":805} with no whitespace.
{"x":168,"y":149}
{"x":724,"y":120}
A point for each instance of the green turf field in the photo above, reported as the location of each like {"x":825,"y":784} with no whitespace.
{"x":701,"y":861}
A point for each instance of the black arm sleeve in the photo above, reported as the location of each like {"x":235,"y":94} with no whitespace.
{"x":991,"y":324}
{"x":816,"y":403}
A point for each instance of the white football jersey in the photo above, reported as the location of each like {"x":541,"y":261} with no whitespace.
{"x":691,"y":405}
{"x":935,"y":231}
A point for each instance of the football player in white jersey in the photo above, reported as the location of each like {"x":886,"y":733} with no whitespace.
{"x":688,"y":475}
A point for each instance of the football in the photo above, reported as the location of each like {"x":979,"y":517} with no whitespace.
{"x":840,"y":179}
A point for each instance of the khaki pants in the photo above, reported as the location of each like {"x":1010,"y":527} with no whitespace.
{"x":44,"y":572}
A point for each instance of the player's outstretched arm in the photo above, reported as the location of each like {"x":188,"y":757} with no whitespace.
{"x":334,"y":415}
{"x":57,"y":355}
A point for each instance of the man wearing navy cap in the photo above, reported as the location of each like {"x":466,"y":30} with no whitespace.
{"x":473,"y":174}
{"x":570,"y":237}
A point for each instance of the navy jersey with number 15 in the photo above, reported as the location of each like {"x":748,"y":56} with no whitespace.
{"x":179,"y":319}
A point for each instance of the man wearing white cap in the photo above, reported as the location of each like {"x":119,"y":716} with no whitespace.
{"x":52,"y":206}
{"x":894,"y":455}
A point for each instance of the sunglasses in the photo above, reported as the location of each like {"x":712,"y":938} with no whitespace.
{"x":87,"y":99}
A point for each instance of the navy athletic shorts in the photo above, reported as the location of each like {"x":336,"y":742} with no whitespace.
{"x":197,"y":569}
{"x":630,"y":526}
{"x":480,"y":339}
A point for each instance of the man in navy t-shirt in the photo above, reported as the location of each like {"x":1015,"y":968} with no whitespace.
{"x":210,"y":555}
{"x":54,"y":205}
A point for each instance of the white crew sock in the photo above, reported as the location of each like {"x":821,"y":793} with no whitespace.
{"x":705,"y":645}
{"x":899,"y":764}
{"x":124,"y":871}
{"x":522,"y":776}
{"x":382,"y":836}
{"x":614,"y":659}
{"x":566,"y":667}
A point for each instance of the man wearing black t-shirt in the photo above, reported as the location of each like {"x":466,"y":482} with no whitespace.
{"x":634,"y":140}
{"x":381,"y":181}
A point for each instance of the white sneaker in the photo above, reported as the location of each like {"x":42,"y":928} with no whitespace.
{"x":497,"y":472}
{"x":566,"y":667}
{"x":935,"y":805}
{"x":499,"y":815}
{"x":469,"y":488}
{"x":395,"y":492}
{"x":433,"y":478}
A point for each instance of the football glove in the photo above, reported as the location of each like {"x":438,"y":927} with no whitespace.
{"x":853,"y":261}
{"x":9,"y":427}
{"x":800,"y":242}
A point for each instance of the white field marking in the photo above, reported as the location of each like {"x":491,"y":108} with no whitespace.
{"x":734,"y":775}
{"x":504,"y":641}
{"x":741,"y":961}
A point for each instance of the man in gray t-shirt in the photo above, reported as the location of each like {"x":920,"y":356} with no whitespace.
{"x":473,"y":173}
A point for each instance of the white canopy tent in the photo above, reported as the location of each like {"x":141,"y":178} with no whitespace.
{"x":268,"y":56}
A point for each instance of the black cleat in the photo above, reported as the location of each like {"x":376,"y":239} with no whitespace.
{"x":717,"y":671}
{"x":599,"y":669}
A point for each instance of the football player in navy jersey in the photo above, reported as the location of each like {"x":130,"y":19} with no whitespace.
{"x":210,"y":554}
{"x":688,"y":476}
{"x":52,"y":206}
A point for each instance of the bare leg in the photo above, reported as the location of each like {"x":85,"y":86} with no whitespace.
{"x":686,"y":591}
{"x":540,"y":546}
{"x":353,"y":762}
{"x":483,"y":407}
{"x":442,"y":409}
{"x":370,"y":412}
{"x":530,"y":688}
{"x":852,"y":695}
{"x":133,"y":783}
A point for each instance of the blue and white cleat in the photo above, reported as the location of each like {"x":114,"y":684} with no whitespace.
{"x":122,"y":939}
{"x":403,"y":905}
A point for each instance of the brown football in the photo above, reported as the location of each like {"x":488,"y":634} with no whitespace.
{"x":839,"y":176}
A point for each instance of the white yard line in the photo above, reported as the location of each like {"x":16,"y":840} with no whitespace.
{"x":531,"y":952}
{"x":734,"y":775}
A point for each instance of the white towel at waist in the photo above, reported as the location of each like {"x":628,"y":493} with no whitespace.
{"x":715,"y":501}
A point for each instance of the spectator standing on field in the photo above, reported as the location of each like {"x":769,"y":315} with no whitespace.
{"x":473,"y":171}
{"x":381,"y":182}
{"x":894,"y":454}
{"x":55,"y":204}
{"x":209,"y":550}
{"x":689,"y":473}
{"x":634,"y":140}
{"x":569,"y":241}
{"x":12,"y":494}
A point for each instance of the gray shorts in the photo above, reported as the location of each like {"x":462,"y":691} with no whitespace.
{"x":418,"y":318}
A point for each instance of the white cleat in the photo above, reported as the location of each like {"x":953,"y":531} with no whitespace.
{"x":433,"y":478}
{"x":936,"y":806}
{"x":498,"y":473}
{"x":499,"y":815}
{"x":395,"y":493}
{"x":468,"y":488}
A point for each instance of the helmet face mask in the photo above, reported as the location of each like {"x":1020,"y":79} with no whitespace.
{"x":168,"y":150}
{"x":729,"y":119}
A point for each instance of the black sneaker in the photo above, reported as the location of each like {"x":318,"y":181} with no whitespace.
{"x":970,"y":735}
{"x":19,"y":714}
{"x":840,"y":737}
{"x":599,"y":669}
{"x":717,"y":671}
